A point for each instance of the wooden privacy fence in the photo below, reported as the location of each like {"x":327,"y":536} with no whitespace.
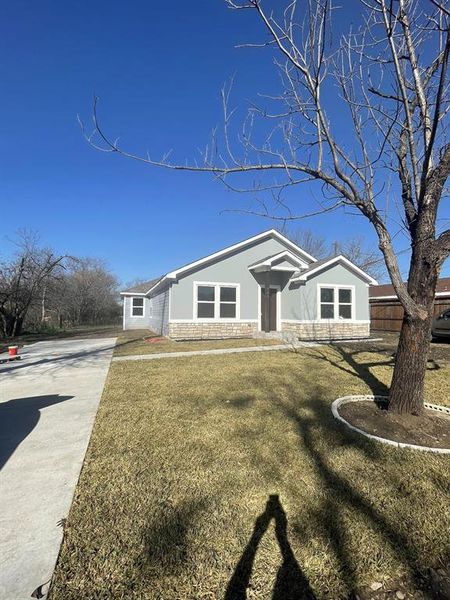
{"x":387,"y":315}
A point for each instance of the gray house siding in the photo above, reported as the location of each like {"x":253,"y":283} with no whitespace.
{"x":300,"y":308}
{"x":300,"y":302}
{"x":156,"y":313}
{"x":173,"y":310}
{"x":130,"y":322}
{"x":159,"y":320}
{"x":232,"y":269}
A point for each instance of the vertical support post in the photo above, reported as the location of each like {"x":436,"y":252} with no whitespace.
{"x":267,"y":302}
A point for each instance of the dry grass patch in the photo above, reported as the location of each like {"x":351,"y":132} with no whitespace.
{"x":211,"y":477}
{"x":145,"y":342}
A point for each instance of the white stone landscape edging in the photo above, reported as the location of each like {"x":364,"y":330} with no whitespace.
{"x":361,"y":398}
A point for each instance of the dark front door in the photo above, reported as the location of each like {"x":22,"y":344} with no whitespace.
{"x":269,"y":312}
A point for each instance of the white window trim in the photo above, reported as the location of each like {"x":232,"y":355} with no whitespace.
{"x":131,"y":307}
{"x":217,"y":285}
{"x":150,"y":307}
{"x":336,"y":288}
{"x":275,"y":287}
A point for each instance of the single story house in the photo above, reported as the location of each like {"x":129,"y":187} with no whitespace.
{"x":386,"y":312}
{"x":265,"y":283}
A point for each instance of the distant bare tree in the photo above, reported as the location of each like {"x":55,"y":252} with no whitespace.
{"x":353,"y":112}
{"x":362,"y":254}
{"x":309,"y":241}
{"x":88,"y":294}
{"x":23,"y":280}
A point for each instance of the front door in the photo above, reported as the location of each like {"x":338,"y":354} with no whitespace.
{"x":269,"y":317}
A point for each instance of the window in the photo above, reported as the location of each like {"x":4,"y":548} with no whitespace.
{"x":345,"y":304}
{"x":216,"y":301}
{"x":206,"y":301}
{"x":227,"y":302}
{"x":137,"y":307}
{"x":336,"y":302}
{"x":327,"y":303}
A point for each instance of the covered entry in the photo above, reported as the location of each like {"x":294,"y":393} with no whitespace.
{"x":278,"y":268}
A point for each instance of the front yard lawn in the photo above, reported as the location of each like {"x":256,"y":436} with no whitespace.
{"x":145,"y":342}
{"x":220,"y":476}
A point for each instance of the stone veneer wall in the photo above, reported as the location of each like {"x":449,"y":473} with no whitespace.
{"x":192,"y":330}
{"x":327,"y":331}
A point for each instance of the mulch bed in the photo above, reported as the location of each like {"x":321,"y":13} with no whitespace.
{"x":430,"y":429}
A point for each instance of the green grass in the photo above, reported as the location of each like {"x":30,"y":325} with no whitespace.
{"x":172,"y":499}
{"x":136,"y":342}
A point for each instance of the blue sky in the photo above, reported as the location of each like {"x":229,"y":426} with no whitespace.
{"x":158,"y":68}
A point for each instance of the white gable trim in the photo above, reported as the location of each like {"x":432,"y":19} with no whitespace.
{"x":173,"y":275}
{"x":285,"y":254}
{"x":337,"y":259}
{"x":249,"y":241}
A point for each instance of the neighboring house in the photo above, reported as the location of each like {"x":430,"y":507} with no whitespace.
{"x":386,"y":312}
{"x":263,"y":284}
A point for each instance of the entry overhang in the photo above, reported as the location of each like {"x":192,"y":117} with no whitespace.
{"x":284,"y":262}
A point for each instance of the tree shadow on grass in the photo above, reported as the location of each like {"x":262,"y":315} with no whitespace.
{"x":291,"y":583}
{"x":342,"y":496}
{"x":307,"y":405}
{"x":347,"y":362}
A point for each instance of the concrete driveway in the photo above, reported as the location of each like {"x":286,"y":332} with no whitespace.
{"x":48,"y":402}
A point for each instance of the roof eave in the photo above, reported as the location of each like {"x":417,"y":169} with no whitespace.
{"x":337,"y":259}
{"x":271,"y":232}
{"x":167,"y":278}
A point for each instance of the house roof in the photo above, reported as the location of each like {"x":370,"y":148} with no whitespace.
{"x":247,"y":242}
{"x":328,"y":262}
{"x":386,"y":291}
{"x":173,"y":275}
{"x":142,"y":288}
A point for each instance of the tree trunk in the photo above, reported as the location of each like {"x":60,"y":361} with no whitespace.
{"x":17,"y":327}
{"x":407,"y":388}
{"x":8,"y":325}
{"x":43,"y":305}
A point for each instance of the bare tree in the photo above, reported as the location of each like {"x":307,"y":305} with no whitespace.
{"x":23,"y":281}
{"x":87,"y":294}
{"x":308,"y":240}
{"x":387,"y":82}
{"x":363,"y":255}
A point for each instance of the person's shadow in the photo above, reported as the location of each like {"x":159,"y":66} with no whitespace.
{"x":291,"y":583}
{"x":18,"y":418}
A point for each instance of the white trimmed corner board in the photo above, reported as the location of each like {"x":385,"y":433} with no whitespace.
{"x":367,"y":397}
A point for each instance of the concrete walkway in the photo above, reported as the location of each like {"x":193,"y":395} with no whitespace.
{"x":48,"y":402}
{"x":286,"y":346}
{"x":216,"y":351}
